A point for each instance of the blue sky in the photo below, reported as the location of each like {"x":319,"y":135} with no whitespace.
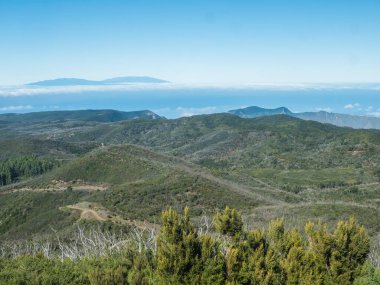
{"x":195,"y":42}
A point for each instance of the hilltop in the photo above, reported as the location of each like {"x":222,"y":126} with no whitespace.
{"x":342,"y":120}
{"x":76,"y":115}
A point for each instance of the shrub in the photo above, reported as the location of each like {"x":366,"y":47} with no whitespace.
{"x":229,"y":222}
{"x":276,"y":255}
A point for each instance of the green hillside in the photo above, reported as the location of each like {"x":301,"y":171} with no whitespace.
{"x":277,"y":141}
{"x":268,"y":167}
{"x":77,"y":115}
{"x":128,"y":181}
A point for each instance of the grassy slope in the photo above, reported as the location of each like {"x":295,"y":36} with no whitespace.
{"x":142,"y":184}
{"x":26,"y":214}
{"x":149,"y":180}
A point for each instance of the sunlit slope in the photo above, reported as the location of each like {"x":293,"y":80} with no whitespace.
{"x":225,"y":141}
{"x":266,"y":167}
{"x":126,"y":180}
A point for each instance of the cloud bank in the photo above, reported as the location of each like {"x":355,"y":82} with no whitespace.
{"x":16,"y":108}
{"x":13,"y":91}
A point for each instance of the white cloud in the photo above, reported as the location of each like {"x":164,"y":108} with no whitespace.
{"x":16,"y":108}
{"x":162,"y":110}
{"x":50,"y":107}
{"x":327,"y":109}
{"x":354,"y":106}
{"x":12,"y":91}
{"x":349,"y":106}
{"x":375,"y":114}
{"x":187,"y":112}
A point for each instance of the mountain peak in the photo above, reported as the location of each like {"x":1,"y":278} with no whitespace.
{"x":63,"y":82}
{"x":255,"y":111}
{"x":342,"y":120}
{"x":110,"y":81}
{"x":133,"y":79}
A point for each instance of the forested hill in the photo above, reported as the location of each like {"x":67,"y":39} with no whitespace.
{"x":78,"y":115}
{"x":130,"y":170}
{"x":13,"y":170}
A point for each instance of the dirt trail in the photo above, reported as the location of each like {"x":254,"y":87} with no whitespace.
{"x":58,"y":187}
{"x":88,"y":214}
{"x":95,"y":212}
{"x":92,"y":215}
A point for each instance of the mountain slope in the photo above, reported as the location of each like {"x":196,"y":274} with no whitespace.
{"x":64,"y":82}
{"x":342,"y":120}
{"x":133,"y":79}
{"x":79,"y":115}
{"x":254,"y":112}
{"x":111,"y":81}
{"x":132,"y":182}
{"x":229,"y":140}
{"x":267,"y":167}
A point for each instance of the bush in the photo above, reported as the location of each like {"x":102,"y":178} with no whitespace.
{"x":370,"y":276}
{"x":229,"y":222}
{"x":184,"y":256}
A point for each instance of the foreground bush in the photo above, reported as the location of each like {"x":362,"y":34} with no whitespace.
{"x":369,"y":276}
{"x":233,"y":256}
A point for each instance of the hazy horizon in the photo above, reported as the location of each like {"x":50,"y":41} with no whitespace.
{"x":218,"y":55}
{"x":175,"y":101}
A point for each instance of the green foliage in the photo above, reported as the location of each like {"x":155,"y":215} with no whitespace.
{"x":11,"y":170}
{"x":24,"y":214}
{"x":300,"y":179}
{"x":36,"y":270}
{"x":178,"y":248}
{"x":273,"y":256}
{"x":369,"y":275}
{"x":351,"y":247}
{"x":303,"y":170}
{"x":229,"y":222}
{"x":75,"y":115}
{"x":268,"y":167}
{"x":183,"y":257}
{"x":117,"y":165}
{"x":108,"y":272}
{"x":341,"y":253}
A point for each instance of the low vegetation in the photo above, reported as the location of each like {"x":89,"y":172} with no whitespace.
{"x":267,"y":168}
{"x":185,"y":254}
{"x":118,"y":176}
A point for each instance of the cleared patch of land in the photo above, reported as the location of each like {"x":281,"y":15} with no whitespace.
{"x":96,"y":212}
{"x":56,"y":186}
